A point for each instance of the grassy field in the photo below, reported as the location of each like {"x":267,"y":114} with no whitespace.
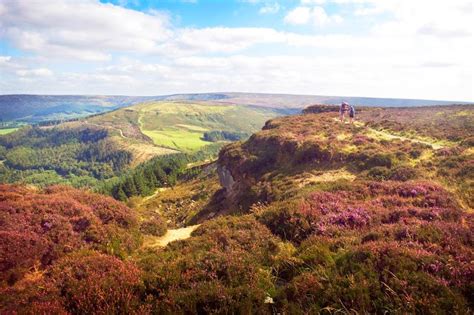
{"x":178,"y":125}
{"x":7,"y":130}
{"x":179,"y":139}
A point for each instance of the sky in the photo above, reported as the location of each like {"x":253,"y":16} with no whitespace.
{"x":375,"y":48}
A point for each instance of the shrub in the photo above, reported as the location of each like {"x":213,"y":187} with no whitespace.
{"x":403,"y":173}
{"x":379,"y":159}
{"x":155,"y":226}
{"x":223,"y":268}
{"x":38,"y":227}
{"x":90,"y":282}
{"x":379,"y":173}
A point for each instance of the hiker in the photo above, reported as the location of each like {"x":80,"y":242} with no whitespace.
{"x":343,"y":110}
{"x":347,"y":109}
{"x":352,"y":112}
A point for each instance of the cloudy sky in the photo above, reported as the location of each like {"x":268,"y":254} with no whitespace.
{"x":380,"y":48}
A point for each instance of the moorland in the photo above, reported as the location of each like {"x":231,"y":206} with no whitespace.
{"x":308,"y":215}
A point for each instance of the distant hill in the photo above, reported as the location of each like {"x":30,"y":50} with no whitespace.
{"x":300,"y":101}
{"x":37,"y":108}
{"x":184,"y":126}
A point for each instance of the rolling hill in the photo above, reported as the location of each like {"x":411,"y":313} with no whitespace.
{"x":178,"y":125}
{"x":370,"y":217}
{"x":301,"y":101}
{"x":39,"y":108}
{"x":100,"y":147}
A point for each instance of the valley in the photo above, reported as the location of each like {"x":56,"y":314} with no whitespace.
{"x":138,"y":133}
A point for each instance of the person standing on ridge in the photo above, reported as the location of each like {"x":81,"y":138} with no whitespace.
{"x":351,"y":113}
{"x":343,"y":110}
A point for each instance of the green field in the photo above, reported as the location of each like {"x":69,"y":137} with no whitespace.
{"x":181,"y":125}
{"x":7,"y":130}
{"x":179,"y":139}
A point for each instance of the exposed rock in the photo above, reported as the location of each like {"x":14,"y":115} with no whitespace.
{"x":225,"y":178}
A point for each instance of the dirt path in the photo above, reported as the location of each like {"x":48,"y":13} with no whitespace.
{"x":170,"y":236}
{"x":382,"y":134}
{"x":389,"y":136}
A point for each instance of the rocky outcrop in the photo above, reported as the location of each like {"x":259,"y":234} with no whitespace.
{"x":225,"y":178}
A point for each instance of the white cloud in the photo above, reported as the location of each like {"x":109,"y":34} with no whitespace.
{"x":368,"y":11}
{"x":316,"y":15}
{"x":309,"y":2}
{"x":80,"y":29}
{"x":270,"y":8}
{"x":298,"y":16}
{"x":412,"y":52}
{"x":38,"y":72}
{"x":4,"y":59}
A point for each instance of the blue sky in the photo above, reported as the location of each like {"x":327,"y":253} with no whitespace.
{"x":380,"y":48}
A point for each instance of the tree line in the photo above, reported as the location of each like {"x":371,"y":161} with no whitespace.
{"x":161,"y":171}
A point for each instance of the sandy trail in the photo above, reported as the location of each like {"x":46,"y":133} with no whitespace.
{"x":170,"y":236}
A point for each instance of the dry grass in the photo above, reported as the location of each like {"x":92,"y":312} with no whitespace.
{"x":325,"y":176}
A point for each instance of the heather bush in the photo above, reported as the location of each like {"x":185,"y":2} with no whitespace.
{"x":378,"y":159}
{"x":33,"y":294}
{"x":403,"y":173}
{"x":154,"y":226}
{"x":379,"y":173}
{"x":91,"y":282}
{"x":223,"y":268}
{"x":38,"y":227}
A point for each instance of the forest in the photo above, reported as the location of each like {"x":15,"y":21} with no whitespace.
{"x":83,"y":155}
{"x":220,"y":135}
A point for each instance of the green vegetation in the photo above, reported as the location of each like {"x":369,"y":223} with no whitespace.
{"x":161,"y":171}
{"x":7,"y":130}
{"x":219,"y":135}
{"x":184,"y":140}
{"x":80,"y":156}
{"x":83,"y":153}
{"x":182,"y":126}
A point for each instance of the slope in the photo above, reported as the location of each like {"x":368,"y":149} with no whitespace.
{"x":38,"y":108}
{"x":181,"y":126}
{"x":313,"y":216}
{"x":318,"y":216}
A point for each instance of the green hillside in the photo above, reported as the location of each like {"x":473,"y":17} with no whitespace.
{"x":98,"y":148}
{"x":180,"y":125}
{"x":7,"y":130}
